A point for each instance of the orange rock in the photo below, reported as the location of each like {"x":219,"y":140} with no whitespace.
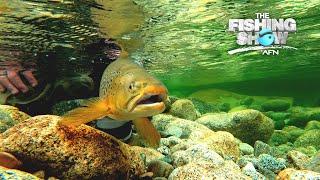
{"x":293,"y":174}
{"x":70,"y":153}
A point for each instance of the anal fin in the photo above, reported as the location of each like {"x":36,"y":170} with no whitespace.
{"x":147,"y":131}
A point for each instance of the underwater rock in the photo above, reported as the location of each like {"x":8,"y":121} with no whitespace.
{"x":70,"y":153}
{"x":309,"y":138}
{"x":247,"y":101}
{"x":276,"y":105}
{"x":196,"y":153}
{"x":170,"y":141}
{"x":314,"y":163}
{"x":160,"y":168}
{"x":164,"y":150}
{"x":238,"y":108}
{"x":282,"y":150}
{"x":312,"y":125}
{"x":246,"y":149}
{"x":245,"y":159}
{"x":7,"y":174}
{"x":217,"y":96}
{"x":278,"y":125}
{"x":262,"y":148}
{"x":9,"y":116}
{"x":247,"y":125}
{"x":279,"y":137}
{"x":307,"y":150}
{"x":224,"y":107}
{"x":174,"y":131}
{"x":294,"y":132}
{"x":269,"y":165}
{"x":184,"y":108}
{"x":278,"y":118}
{"x":148,"y":153}
{"x":298,"y":159}
{"x":276,"y":151}
{"x":293,"y":174}
{"x":300,"y":116}
{"x":204,"y":107}
{"x":170,"y":100}
{"x":250,"y":170}
{"x":205,"y":170}
{"x":221,"y":142}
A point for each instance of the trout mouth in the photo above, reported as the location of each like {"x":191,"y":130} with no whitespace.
{"x":149,"y":102}
{"x":150,"y":99}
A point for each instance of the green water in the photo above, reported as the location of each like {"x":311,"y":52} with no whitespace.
{"x":185,"y":43}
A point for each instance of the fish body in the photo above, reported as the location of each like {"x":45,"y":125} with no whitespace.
{"x":127,"y":92}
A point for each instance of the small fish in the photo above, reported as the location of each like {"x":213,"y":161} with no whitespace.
{"x":127,"y":91}
{"x":9,"y":161}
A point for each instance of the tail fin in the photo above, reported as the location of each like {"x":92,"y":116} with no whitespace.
{"x":95,"y":109}
{"x":147,"y":131}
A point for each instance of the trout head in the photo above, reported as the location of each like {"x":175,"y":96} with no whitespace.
{"x":138,"y":95}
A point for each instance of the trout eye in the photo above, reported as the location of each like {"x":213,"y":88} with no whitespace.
{"x":131,"y":86}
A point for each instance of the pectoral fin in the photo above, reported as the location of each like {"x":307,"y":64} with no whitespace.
{"x":9,"y":161}
{"x":95,"y":109}
{"x":147,"y":131}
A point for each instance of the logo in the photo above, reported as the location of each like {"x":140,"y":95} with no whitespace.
{"x":262,"y":34}
{"x":266,"y":37}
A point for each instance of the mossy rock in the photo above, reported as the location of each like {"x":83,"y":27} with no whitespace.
{"x":278,"y":125}
{"x":9,"y":116}
{"x":314,"y":113}
{"x":282,"y":150}
{"x":300,"y":116}
{"x":247,"y":101}
{"x":203,"y":107}
{"x":225,"y":107}
{"x":247,"y":125}
{"x":279,"y":137}
{"x":238,"y":108}
{"x":169,"y":102}
{"x":312,"y":125}
{"x":256,"y":107}
{"x":314,"y":164}
{"x":309,"y":138}
{"x":277,"y":116}
{"x":185,"y":109}
{"x":276,"y":105}
{"x":294,"y":132}
{"x":308,"y":150}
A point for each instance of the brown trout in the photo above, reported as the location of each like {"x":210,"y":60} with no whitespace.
{"x":127,"y":92}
